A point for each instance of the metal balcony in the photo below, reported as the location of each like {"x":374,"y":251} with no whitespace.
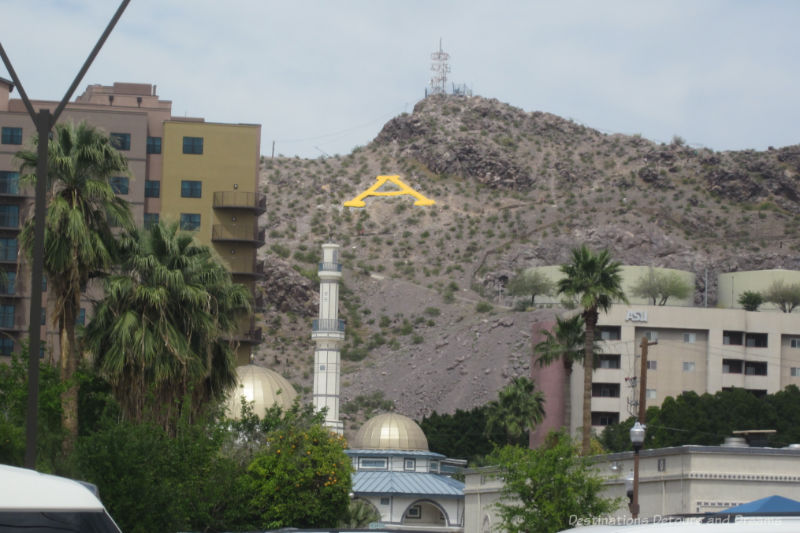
{"x":330,"y":267}
{"x":250,"y":201}
{"x":327,"y":328}
{"x":248,"y":234}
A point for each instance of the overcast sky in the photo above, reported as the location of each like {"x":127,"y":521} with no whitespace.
{"x":322,"y":77}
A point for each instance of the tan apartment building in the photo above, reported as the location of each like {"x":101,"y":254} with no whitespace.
{"x":221,"y":158}
{"x":700,"y":349}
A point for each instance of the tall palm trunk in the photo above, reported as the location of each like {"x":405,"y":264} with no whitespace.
{"x":69,"y":363}
{"x":590,"y":319}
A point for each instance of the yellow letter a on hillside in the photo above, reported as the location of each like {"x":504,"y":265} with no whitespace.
{"x":404,"y":189}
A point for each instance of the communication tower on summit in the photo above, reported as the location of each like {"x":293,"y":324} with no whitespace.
{"x":440,"y":68}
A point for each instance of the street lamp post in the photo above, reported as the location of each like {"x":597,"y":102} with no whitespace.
{"x":637,"y":439}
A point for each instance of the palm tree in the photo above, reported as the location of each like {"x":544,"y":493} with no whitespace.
{"x":517,"y":410}
{"x":565,"y":343}
{"x":594,"y":281}
{"x":79,"y":242}
{"x":162,"y":336}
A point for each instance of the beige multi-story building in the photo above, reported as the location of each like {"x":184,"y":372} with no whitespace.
{"x":202,"y":175}
{"x":699,"y":349}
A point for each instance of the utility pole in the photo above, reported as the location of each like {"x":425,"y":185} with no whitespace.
{"x":43,"y":120}
{"x":639,"y":427}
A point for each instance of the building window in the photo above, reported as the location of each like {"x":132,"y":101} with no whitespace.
{"x":120,"y":184}
{"x":795,"y":372}
{"x":373,"y":463}
{"x":415,"y":511}
{"x":9,"y":182}
{"x":600,"y":418}
{"x":43,"y":320}
{"x":121,"y":141}
{"x":651,"y":394}
{"x":11,"y":136}
{"x":652,"y":336}
{"x":192,"y":145}
{"x":8,"y":249}
{"x":609,"y":361}
{"x":652,"y":365}
{"x":8,"y":283}
{"x":610,"y":333}
{"x":732,"y":338}
{"x":150,"y":220}
{"x":755,"y":368}
{"x":688,"y":366}
{"x":384,"y":500}
{"x":9,"y":216}
{"x":6,"y":315}
{"x":689,"y":338}
{"x":190,"y":221}
{"x":434,"y":466}
{"x":6,"y":345}
{"x":794,"y":343}
{"x":154,"y":145}
{"x":152,"y":189}
{"x":191,"y":189}
{"x":81,"y":317}
{"x":410,"y":464}
{"x":605,"y":390}
{"x":755,"y":340}
{"x":732,"y":366}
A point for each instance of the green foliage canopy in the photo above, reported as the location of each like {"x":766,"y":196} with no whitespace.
{"x":517,"y":410}
{"x":530,"y":283}
{"x":658,"y":287}
{"x":785,"y":295}
{"x":546,"y":486}
{"x":751,"y":300}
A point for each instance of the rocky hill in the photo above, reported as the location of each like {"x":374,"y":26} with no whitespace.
{"x":428,"y":326}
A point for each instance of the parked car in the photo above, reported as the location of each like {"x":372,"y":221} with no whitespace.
{"x":32,"y":502}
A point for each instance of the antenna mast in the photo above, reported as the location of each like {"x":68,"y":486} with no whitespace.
{"x":440,"y":68}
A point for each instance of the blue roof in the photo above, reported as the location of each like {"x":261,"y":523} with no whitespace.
{"x":770,"y":504}
{"x":410,"y":483}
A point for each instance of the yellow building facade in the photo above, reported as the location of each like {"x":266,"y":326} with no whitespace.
{"x":209,"y":185}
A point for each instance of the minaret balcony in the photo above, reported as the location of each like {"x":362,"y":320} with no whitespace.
{"x":330,"y":270}
{"x":327,"y":328}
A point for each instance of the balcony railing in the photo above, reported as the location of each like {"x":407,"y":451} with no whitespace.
{"x":327,"y":327}
{"x":330,"y":267}
{"x":240,"y":200}
{"x":220,"y":232}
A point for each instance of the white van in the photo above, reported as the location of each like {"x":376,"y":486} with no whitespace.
{"x":32,"y":502}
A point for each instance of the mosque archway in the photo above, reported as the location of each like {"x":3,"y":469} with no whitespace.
{"x":425,"y":513}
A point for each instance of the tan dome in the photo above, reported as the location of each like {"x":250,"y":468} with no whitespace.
{"x":263,"y":387}
{"x":390,"y":431}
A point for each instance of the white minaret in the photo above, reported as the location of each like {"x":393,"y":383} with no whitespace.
{"x":328,"y":332}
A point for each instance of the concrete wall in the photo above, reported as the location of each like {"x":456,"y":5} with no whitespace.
{"x":630,"y":277}
{"x":731,"y":285}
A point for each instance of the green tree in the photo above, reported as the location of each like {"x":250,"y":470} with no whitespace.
{"x":545,"y":487}
{"x":594,"y":281}
{"x":362,"y":514}
{"x":751,"y":300}
{"x":517,"y":410}
{"x":162,"y":335}
{"x":658,"y":287}
{"x":301,"y":478}
{"x":461,"y":435}
{"x":82,"y":209}
{"x":564,"y":343}
{"x":13,"y":408}
{"x":530,"y":283}
{"x":785,"y":296}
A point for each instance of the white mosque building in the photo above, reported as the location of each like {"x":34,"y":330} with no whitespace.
{"x":409,"y":486}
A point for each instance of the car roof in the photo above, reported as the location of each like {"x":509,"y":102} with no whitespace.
{"x":22,"y":489}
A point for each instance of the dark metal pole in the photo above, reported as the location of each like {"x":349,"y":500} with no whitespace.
{"x":635,"y":502}
{"x":44,"y":121}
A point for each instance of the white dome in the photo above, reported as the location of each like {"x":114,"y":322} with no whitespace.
{"x":261,"y":386}
{"x":390,"y":431}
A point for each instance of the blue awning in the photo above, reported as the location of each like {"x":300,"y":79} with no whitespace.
{"x":770,"y":504}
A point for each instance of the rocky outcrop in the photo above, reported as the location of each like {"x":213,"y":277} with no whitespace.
{"x":285,"y":290}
